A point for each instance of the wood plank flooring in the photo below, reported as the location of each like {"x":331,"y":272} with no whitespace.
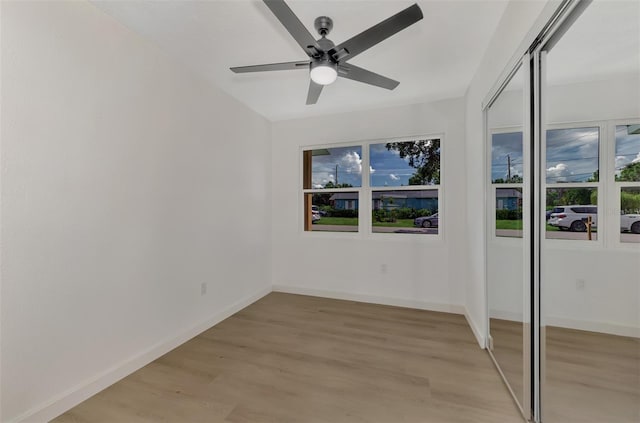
{"x":292,"y":358}
{"x":591,"y":377}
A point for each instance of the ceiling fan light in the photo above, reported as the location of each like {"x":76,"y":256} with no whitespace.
{"x":324,"y":73}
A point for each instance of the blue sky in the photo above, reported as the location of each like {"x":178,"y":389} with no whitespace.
{"x":504,"y":146}
{"x":627,"y":148}
{"x":390,"y":169}
{"x":572,"y":154}
{"x":349,"y":165}
{"x":386,"y":167}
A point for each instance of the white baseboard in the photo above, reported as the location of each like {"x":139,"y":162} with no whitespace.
{"x":373,"y":299}
{"x":506,"y":315}
{"x":591,"y":326}
{"x":482,"y":341}
{"x":71,"y":398}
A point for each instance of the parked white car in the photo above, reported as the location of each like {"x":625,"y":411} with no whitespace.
{"x":574,"y":218}
{"x":315,"y":214}
{"x":630,"y":223}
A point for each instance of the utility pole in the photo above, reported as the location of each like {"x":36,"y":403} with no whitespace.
{"x":336,"y":175}
{"x":508,"y":168}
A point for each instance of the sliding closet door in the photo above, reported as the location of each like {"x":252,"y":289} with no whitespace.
{"x":590,"y":200}
{"x":508,"y":237}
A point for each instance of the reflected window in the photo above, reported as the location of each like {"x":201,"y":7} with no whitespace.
{"x":506,"y":158}
{"x":572,"y":213}
{"x":627,"y":161}
{"x":509,"y":212}
{"x":630,"y":214}
{"x":572,"y":155}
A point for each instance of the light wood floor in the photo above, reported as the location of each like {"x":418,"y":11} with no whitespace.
{"x":292,"y":358}
{"x":507,"y":350}
{"x":591,"y":377}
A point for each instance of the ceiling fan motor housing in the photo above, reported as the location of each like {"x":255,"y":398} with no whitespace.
{"x":323,"y":25}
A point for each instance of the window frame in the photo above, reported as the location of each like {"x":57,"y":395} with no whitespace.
{"x":365,"y":192}
{"x":603,"y":143}
{"x":493,"y":187}
{"x":615,"y":187}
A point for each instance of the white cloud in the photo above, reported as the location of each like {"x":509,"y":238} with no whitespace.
{"x":621,"y":161}
{"x":558,"y":173}
{"x":351,"y":162}
{"x":637,"y":159}
{"x":394,"y":177}
{"x":371,"y":170}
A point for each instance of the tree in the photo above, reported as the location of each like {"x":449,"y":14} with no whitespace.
{"x":332,"y":185}
{"x":630,"y":173}
{"x":424,"y":156}
{"x":595,"y":177}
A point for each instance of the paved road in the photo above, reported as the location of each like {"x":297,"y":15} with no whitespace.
{"x":511,"y":233}
{"x":376,"y":229}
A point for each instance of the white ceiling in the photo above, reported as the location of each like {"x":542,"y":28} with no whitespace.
{"x":433,"y":59}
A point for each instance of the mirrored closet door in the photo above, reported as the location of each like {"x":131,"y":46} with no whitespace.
{"x":590,"y":195}
{"x":508,"y":274}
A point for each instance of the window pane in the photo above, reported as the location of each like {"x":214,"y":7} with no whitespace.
{"x":509,"y":212}
{"x":569,"y":211}
{"x":397,"y":164}
{"x":506,"y":158}
{"x":628,"y":153}
{"x":630,"y":214}
{"x":572,"y":155}
{"x":409,"y":212}
{"x":335,"y":212}
{"x":339,"y":167}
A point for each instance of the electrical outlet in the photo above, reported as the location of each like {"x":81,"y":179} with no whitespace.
{"x":580,"y":284}
{"x":203,"y":288}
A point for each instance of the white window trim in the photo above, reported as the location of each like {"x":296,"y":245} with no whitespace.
{"x":608,"y":207}
{"x":491,"y":218}
{"x":365,"y":228}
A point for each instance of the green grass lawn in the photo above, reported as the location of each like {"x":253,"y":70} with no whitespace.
{"x":399,"y":223}
{"x":353,"y":221}
{"x":517,"y":224}
{"x":509,"y":224}
{"x":346,"y":221}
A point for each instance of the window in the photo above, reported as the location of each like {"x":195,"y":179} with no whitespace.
{"x":572,"y":181}
{"x":329,"y":176}
{"x":401,"y":179}
{"x":627,"y":180}
{"x":506,"y":178}
{"x":401,"y":172}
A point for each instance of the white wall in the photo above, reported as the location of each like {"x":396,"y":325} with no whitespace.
{"x":420,"y":271}
{"x":610,"y":301}
{"x":126,"y":183}
{"x":514,"y":26}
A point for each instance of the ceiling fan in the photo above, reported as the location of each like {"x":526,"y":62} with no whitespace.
{"x":327,"y":61}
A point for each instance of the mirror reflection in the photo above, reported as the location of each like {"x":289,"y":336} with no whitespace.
{"x":505,"y":249}
{"x":590,"y":267}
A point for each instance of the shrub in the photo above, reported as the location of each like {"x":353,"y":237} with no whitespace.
{"x":504,"y":214}
{"x":342,"y":213}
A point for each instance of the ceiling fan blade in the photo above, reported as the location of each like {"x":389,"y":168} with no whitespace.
{"x":292,"y":24}
{"x":355,"y":73}
{"x":314,"y":92}
{"x":271,"y":67}
{"x":377,"y":33}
